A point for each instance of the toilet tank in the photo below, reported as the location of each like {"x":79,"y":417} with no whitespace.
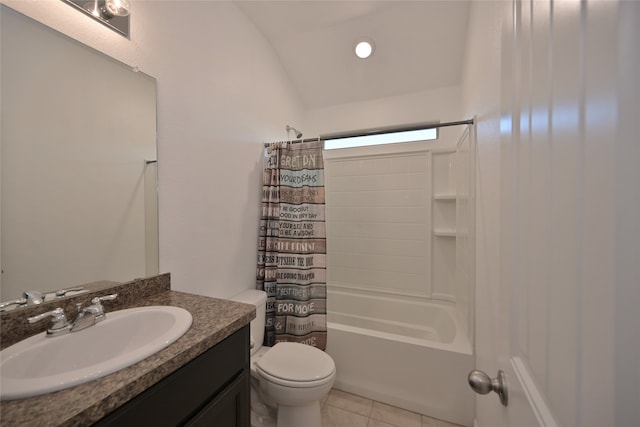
{"x":259,"y":299}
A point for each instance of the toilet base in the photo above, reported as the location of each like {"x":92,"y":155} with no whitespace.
{"x":295,"y":416}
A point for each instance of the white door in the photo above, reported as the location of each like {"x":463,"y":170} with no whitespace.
{"x":562,"y":320}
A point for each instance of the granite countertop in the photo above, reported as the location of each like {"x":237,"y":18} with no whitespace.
{"x":213,"y":320}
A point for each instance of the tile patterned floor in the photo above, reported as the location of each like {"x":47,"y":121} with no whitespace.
{"x":340,"y":409}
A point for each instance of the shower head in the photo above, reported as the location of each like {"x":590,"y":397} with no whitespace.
{"x":297,"y":132}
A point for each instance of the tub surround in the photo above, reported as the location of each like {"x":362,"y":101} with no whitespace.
{"x":213,"y":321}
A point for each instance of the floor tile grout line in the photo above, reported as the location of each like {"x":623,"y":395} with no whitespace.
{"x":370,"y":417}
{"x":350,"y":411}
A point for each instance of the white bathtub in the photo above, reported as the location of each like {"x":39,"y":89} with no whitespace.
{"x":418,"y":361}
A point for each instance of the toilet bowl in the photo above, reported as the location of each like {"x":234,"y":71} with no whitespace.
{"x":288,"y":379}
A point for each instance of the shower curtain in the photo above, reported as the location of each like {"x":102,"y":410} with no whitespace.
{"x":292,"y":244}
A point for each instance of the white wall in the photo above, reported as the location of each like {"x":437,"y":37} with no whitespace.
{"x":441,"y":105}
{"x":220,"y":87}
{"x":221,"y":94}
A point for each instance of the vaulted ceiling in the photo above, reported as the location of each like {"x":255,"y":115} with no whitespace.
{"x":419,"y":45}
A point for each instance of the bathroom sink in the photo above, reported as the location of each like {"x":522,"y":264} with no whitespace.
{"x":41,"y":364}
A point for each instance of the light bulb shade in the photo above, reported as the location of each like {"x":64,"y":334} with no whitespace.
{"x":117,"y":7}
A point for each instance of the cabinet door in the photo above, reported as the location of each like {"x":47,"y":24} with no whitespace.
{"x":174,"y":400}
{"x":229,"y":409}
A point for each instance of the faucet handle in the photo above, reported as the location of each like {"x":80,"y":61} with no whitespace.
{"x":57,"y":314}
{"x":63,"y":292}
{"x":21,"y":301}
{"x":59,"y":325}
{"x":98,"y":300}
{"x":96,"y":306}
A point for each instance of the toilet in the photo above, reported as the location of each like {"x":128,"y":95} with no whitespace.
{"x":289,"y":379}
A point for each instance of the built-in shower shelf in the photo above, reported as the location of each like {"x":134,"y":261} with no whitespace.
{"x":441,"y":232}
{"x":444,"y":197}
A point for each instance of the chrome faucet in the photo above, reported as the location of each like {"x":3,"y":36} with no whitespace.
{"x":28,"y":298}
{"x":33,"y":297}
{"x":92,"y":314}
{"x":20,"y":301}
{"x":59,"y":326}
{"x":87,"y":316}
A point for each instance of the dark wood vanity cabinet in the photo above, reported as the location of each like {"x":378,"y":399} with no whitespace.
{"x":213,"y":390}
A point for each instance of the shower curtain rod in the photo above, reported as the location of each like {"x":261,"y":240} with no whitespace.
{"x":392,"y":129}
{"x":381,"y":131}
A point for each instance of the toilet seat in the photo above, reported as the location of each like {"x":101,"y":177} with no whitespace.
{"x":295,"y":384}
{"x":296,"y":365}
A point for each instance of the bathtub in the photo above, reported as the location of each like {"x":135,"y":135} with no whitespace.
{"x":401,"y":351}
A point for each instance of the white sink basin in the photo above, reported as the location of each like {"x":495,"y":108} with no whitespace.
{"x":42,"y":364}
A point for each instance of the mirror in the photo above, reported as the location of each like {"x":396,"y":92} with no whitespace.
{"x":78,"y":163}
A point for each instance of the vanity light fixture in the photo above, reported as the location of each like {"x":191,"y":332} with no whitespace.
{"x":117,"y":7}
{"x":364,"y":47}
{"x":114,"y":14}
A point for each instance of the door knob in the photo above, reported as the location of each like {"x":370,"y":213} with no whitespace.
{"x":481,"y":383}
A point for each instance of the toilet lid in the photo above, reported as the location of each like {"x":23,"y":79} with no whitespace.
{"x":296,"y":362}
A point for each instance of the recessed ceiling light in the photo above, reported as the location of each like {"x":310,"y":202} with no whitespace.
{"x":364,"y":48}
